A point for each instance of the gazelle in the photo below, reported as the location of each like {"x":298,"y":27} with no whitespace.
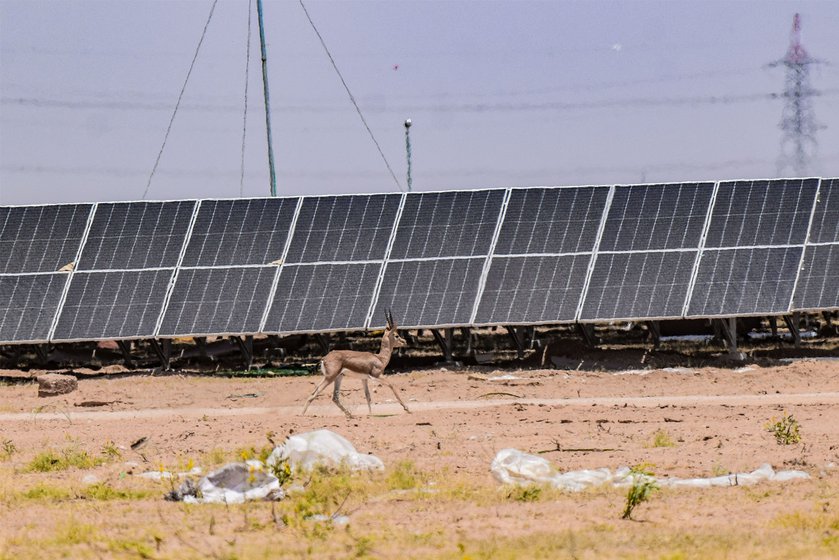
{"x":365,"y":365}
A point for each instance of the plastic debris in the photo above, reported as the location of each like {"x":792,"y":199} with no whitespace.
{"x":166,"y":475}
{"x":232,"y":484}
{"x":512,"y":466}
{"x":322,"y":447}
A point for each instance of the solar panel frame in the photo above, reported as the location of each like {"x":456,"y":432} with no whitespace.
{"x":730,"y":221}
{"x":826,"y":212}
{"x":105,"y":246}
{"x":37,"y":245}
{"x":400,"y":302}
{"x":448,"y":239}
{"x":791,"y":258}
{"x":332,"y":228}
{"x":56,"y":283}
{"x":302,"y":277}
{"x":260,"y":240}
{"x":108,"y":298}
{"x":225,"y":287}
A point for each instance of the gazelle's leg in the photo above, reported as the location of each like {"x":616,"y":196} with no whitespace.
{"x":367,"y":395}
{"x":321,"y":386}
{"x":395,"y":394}
{"x":335,"y":395}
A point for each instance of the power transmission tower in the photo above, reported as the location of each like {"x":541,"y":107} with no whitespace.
{"x":798,"y":122}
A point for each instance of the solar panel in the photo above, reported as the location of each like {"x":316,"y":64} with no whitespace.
{"x":28,"y":304}
{"x":343,"y":228}
{"x":647,"y":217}
{"x":429,"y":293}
{"x":217,"y":301}
{"x":322,"y":297}
{"x":543,"y":289}
{"x":136,"y":235}
{"x":120,"y":304}
{"x":642,"y":285}
{"x":551,"y":220}
{"x":744,"y":281}
{"x":41,"y":238}
{"x":239,"y":232}
{"x":447,"y":224}
{"x":825,"y":228}
{"x":818,"y":281}
{"x":748,"y":213}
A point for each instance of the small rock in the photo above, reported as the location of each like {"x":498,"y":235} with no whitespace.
{"x":52,"y":384}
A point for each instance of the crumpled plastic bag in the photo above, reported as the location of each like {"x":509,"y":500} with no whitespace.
{"x":512,"y":466}
{"x":322,"y":447}
{"x":233,"y":484}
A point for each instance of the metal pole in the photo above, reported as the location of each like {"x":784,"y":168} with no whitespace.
{"x":267,"y":103}
{"x":408,"y":149}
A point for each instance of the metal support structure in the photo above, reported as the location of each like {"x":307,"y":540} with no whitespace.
{"x":586,"y":331}
{"x":267,"y":101}
{"x":163,"y":350}
{"x":125,"y":349}
{"x":245,"y":344}
{"x":728,"y":331}
{"x":408,"y":149}
{"x":792,"y":322}
{"x":43,"y":353}
{"x":654,"y":328}
{"x":773,"y":326}
{"x":445,"y":340}
{"x":517,"y":335}
{"x":467,"y":335}
{"x":325,"y":342}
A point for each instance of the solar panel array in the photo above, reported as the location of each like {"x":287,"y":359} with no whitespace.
{"x":537,"y":255}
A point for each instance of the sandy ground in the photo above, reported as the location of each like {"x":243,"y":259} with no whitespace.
{"x":715,"y":419}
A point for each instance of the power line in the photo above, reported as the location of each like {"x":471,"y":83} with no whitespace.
{"x":180,"y":96}
{"x":245,"y":113}
{"x":352,"y":99}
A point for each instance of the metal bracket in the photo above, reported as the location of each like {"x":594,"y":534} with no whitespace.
{"x":654,"y":328}
{"x":445,"y":340}
{"x":728,"y":330}
{"x":773,"y":326}
{"x":517,"y":335}
{"x":586,"y":331}
{"x":792,"y":322}
{"x":163,"y":350}
{"x":43,"y":353}
{"x":325,"y":342}
{"x":125,"y":349}
{"x":245,"y":345}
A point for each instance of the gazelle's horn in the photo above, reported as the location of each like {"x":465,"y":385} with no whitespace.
{"x":389,"y":318}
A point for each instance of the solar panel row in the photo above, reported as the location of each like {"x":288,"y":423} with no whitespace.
{"x":500,"y":256}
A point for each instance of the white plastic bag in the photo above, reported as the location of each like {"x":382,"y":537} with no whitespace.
{"x":322,"y":447}
{"x":236,"y":483}
{"x":512,"y":466}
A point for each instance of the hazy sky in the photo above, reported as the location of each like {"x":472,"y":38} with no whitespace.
{"x":500,"y":93}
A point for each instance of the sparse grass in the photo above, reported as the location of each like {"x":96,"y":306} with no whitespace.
{"x":110,"y":451}
{"x":214,"y":457}
{"x":528,"y":493}
{"x":786,"y":430}
{"x":661,"y":439}
{"x":405,"y":476}
{"x":69,"y":457}
{"x":42,"y":492}
{"x":640,"y":491}
{"x":8,"y":449}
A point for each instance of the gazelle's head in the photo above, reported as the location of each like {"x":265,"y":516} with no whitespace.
{"x":392,"y":333}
